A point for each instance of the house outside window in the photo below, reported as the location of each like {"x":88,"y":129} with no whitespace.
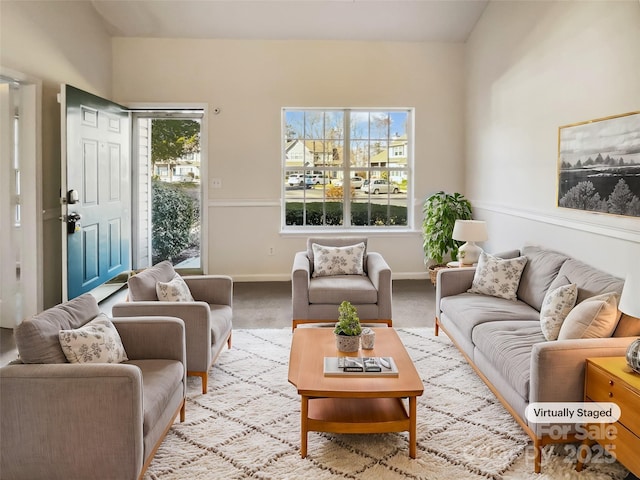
{"x":346,"y":168}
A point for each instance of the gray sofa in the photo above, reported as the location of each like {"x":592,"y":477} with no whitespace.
{"x":207,"y":320}
{"x":318,"y":298}
{"x":503,"y":341}
{"x":62,"y":420}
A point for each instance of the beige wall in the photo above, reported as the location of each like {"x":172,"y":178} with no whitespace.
{"x":250,"y":81}
{"x":532,"y":67}
{"x":56,"y":42}
{"x":528,"y":68}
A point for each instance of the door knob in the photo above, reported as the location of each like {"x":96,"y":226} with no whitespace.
{"x":73,"y":222}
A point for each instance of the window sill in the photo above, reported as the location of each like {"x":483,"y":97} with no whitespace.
{"x":372,"y":232}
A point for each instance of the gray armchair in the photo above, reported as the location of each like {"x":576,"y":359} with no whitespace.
{"x":207,"y":320}
{"x":316,"y":299}
{"x":65,"y":420}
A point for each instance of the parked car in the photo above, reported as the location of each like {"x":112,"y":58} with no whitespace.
{"x":301,"y":180}
{"x":379,"y":185}
{"x":356,"y":182}
{"x":294,"y":179}
{"x":318,"y":179}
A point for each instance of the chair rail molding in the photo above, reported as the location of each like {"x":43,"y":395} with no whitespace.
{"x":619,"y":227}
{"x":244,"y":202}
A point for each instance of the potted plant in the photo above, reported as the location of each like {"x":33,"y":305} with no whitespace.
{"x":441,"y":210}
{"x":348,"y":328}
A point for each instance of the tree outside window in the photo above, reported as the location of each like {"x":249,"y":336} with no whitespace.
{"x":175,"y":189}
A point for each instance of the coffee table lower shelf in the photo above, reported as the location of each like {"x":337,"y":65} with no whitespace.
{"x":358,"y":415}
{"x":302,"y":321}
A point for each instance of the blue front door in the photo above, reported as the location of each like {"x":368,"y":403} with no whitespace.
{"x":96,"y":179}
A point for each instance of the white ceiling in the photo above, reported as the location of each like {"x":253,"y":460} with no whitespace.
{"x":385,"y":20}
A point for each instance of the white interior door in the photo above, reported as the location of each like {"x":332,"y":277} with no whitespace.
{"x":9,"y":264}
{"x":20,"y":203}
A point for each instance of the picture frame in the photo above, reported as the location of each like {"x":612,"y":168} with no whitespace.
{"x":599,"y":165}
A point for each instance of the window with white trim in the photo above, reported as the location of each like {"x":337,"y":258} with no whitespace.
{"x":346,"y":168}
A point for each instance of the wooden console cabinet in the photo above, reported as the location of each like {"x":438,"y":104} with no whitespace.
{"x":610,"y":379}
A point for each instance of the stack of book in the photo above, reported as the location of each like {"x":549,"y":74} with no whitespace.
{"x":365,"y":366}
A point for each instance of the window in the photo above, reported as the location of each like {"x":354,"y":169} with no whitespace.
{"x":346,"y":168}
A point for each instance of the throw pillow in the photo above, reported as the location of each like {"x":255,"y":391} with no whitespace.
{"x":37,"y":338}
{"x":595,"y":317}
{"x":498,"y":277}
{"x":142,"y":285}
{"x":329,"y":261}
{"x":97,"y":341}
{"x":555,"y":307}
{"x":175,"y":290}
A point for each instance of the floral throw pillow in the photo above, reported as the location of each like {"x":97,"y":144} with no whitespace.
{"x":96,"y":341}
{"x":555,"y":307}
{"x":498,"y":277}
{"x":329,"y":261}
{"x":175,"y":290}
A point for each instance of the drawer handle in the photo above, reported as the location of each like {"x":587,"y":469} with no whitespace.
{"x":610,"y":394}
{"x":611,"y":382}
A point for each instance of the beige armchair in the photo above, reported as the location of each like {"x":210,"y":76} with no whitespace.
{"x":64,"y":420}
{"x":316,"y":298}
{"x":207,"y":320}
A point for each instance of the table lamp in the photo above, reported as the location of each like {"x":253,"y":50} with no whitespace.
{"x":469,"y":231}
{"x":630,"y":305}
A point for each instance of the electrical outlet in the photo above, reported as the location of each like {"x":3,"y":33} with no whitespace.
{"x":272,"y":251}
{"x":215,"y":183}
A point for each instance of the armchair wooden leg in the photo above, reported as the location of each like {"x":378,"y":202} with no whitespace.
{"x":537,"y":461}
{"x":229,"y":340}
{"x":437,"y":327}
{"x":183,"y":411}
{"x":203,"y":376}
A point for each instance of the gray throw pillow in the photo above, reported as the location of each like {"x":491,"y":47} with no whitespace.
{"x":142,"y":286}
{"x":37,"y":337}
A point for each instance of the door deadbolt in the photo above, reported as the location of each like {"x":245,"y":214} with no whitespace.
{"x":72,"y":197}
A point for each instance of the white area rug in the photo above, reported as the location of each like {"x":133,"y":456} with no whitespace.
{"x":247,"y":426}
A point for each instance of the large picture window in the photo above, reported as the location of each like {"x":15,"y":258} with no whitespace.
{"x":346,"y":168}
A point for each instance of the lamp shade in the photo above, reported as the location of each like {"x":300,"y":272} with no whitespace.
{"x":470,"y":230}
{"x":630,"y":298}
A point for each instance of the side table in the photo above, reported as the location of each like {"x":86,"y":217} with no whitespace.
{"x":456,"y":264}
{"x":610,"y":379}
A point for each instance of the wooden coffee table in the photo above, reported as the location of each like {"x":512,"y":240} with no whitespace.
{"x":388,"y":322}
{"x":353,"y":404}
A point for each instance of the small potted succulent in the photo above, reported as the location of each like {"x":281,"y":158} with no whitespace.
{"x":348,"y":328}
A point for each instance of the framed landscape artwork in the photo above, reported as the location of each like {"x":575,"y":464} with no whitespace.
{"x":599,"y":165}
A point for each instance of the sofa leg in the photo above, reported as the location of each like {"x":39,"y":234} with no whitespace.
{"x":437,"y":328}
{"x":229,"y":340}
{"x":183,"y":411}
{"x":203,"y":376}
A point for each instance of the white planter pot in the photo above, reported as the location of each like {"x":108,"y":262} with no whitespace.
{"x":346,"y":343}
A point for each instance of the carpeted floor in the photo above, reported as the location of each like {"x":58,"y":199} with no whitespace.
{"x":247,"y":425}
{"x":268,"y":304}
